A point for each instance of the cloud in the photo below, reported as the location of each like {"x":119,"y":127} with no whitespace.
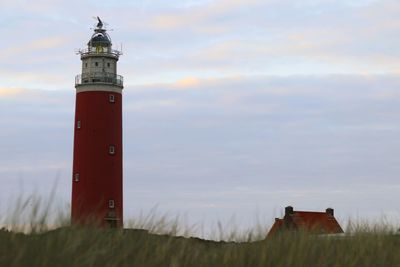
{"x":9,"y":92}
{"x":196,"y":16}
{"x":274,"y":37}
{"x":187,"y":82}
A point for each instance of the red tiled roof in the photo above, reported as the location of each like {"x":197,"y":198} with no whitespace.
{"x":318,"y":222}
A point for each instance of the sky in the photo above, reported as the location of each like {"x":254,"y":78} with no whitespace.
{"x":233,"y":109}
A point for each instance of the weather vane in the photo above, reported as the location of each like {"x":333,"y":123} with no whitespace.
{"x":100,"y":23}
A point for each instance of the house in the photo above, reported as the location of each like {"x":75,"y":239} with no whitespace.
{"x":315,"y":222}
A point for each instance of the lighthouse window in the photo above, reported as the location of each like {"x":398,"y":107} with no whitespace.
{"x":85,"y":65}
{"x":108,"y":64}
{"x":76,"y":177}
{"x":78,"y":124}
{"x":111,"y":150}
{"x":111,"y":204}
{"x":96,"y":64}
{"x":112,"y":98}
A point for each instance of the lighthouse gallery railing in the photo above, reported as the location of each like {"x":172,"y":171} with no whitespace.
{"x":99,"y":77}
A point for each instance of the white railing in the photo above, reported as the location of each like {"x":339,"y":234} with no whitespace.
{"x":99,"y":50}
{"x":99,"y":77}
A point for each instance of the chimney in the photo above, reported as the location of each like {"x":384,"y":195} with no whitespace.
{"x":288,"y":210}
{"x":330,"y":211}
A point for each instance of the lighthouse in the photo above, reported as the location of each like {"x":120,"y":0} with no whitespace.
{"x":97,"y":157}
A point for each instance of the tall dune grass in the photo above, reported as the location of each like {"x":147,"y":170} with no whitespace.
{"x":61,"y":245}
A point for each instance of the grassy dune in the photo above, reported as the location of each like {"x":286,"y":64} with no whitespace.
{"x":68,"y":246}
{"x":160,"y":246}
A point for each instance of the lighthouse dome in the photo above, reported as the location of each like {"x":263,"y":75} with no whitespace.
{"x":100,"y":39}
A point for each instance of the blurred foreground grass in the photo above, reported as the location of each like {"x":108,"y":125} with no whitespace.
{"x":72,"y":246}
{"x":93,"y":247}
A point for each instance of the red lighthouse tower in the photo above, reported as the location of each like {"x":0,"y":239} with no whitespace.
{"x":97,"y":163}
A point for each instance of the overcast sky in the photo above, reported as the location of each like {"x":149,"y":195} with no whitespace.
{"x":231,"y":107}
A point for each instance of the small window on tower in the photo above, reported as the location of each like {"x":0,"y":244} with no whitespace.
{"x":85,"y":65}
{"x":78,"y":124}
{"x":111,"y":204}
{"x":111,"y":150}
{"x":96,"y":64}
{"x":112,"y":98}
{"x":108,"y":64}
{"x":76,"y":177}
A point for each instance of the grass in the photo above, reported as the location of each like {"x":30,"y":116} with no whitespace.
{"x":94,"y":247}
{"x":78,"y":246}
